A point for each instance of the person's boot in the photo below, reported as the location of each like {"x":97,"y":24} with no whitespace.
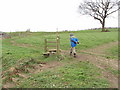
{"x":70,"y":53}
{"x":74,"y":55}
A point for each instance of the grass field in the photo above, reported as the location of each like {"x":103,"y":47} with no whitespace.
{"x":23,"y":47}
{"x":113,"y":52}
{"x":70,"y":76}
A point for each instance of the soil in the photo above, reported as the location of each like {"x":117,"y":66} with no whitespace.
{"x":94,"y":56}
{"x":100,"y":50}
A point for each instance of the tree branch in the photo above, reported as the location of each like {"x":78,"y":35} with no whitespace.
{"x":113,"y":11}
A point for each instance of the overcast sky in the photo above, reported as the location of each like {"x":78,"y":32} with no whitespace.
{"x":46,"y":15}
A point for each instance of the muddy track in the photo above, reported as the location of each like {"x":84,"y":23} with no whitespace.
{"x":20,"y":45}
{"x":99,"y":50}
{"x":94,"y":56}
{"x":103,"y":64}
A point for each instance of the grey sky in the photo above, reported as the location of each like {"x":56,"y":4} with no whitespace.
{"x":46,"y":15}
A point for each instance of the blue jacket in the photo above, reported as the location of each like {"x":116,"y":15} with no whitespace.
{"x":73,"y":41}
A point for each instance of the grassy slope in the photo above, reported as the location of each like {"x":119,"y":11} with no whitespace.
{"x":80,"y":75}
{"x":112,"y":52}
{"x":89,"y":39}
{"x":35,"y":48}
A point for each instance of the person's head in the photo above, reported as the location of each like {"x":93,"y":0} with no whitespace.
{"x":71,"y":34}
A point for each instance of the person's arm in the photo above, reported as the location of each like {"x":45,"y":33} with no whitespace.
{"x":77,"y":42}
{"x":73,"y":41}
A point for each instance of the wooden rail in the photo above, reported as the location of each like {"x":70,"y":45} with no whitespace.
{"x":51,"y":42}
{"x":57,"y":46}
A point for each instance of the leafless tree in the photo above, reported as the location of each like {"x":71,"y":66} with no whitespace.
{"x":99,"y":9}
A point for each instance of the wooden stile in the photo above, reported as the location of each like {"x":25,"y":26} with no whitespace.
{"x":57,"y":46}
{"x":51,"y":42}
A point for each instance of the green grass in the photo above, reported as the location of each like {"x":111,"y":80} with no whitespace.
{"x":90,"y":39}
{"x":12,"y":54}
{"x":113,"y":71}
{"x":112,"y":52}
{"x":80,"y":75}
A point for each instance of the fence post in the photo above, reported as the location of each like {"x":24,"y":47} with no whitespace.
{"x":45,"y":45}
{"x":58,"y":45}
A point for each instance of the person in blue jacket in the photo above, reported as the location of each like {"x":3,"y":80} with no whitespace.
{"x":73,"y":41}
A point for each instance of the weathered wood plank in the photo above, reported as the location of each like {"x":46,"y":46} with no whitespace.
{"x":51,"y":42}
{"x":45,"y":45}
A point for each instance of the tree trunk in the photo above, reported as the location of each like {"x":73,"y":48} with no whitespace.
{"x":103,"y":25}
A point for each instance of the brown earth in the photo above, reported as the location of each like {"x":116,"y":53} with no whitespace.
{"x":20,"y":45}
{"x":94,"y":56}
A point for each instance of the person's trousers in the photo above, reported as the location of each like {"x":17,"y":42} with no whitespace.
{"x":72,"y":50}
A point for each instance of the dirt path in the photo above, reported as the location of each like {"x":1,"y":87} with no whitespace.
{"x":100,"y":49}
{"x":47,"y":66}
{"x":93,"y":56}
{"x":103,"y":64}
{"x":96,"y":57}
{"x":20,"y":45}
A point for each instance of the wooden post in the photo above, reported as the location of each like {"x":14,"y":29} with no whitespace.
{"x":45,"y":45}
{"x":58,"y":45}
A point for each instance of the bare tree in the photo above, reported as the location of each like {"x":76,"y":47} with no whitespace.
{"x":99,"y":9}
